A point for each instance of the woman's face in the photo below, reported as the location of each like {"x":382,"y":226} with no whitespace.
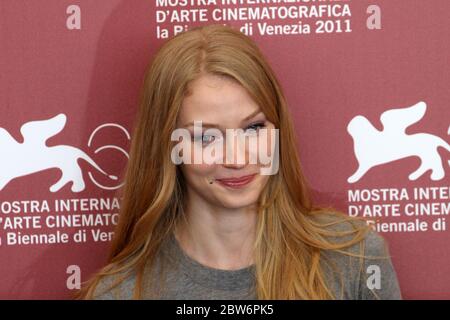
{"x":223,"y":104}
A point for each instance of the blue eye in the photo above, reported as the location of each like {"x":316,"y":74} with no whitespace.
{"x":208,"y":138}
{"x":204,"y":139}
{"x":255,"y":127}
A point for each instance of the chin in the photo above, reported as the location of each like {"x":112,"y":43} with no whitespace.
{"x":236,"y":206}
{"x":238,"y":201}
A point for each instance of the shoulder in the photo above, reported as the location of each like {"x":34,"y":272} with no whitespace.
{"x":339,"y":228}
{"x":365,"y":265}
{"x":106,"y":289}
{"x":121,"y":285}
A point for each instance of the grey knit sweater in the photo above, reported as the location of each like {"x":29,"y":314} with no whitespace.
{"x":181,"y":277}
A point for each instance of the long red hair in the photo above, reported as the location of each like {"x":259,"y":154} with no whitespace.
{"x":291,"y":232}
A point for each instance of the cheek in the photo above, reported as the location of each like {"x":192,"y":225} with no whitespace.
{"x":192,"y":171}
{"x":263,"y":180}
{"x":270,"y":137}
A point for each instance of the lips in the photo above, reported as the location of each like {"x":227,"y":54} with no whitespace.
{"x":237,"y":182}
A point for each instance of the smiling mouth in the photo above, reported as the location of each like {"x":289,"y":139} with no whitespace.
{"x":237,"y":183}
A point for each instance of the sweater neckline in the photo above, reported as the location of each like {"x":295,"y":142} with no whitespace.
{"x":209,"y":277}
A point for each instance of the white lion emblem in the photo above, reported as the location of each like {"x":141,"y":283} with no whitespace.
{"x":373,"y":147}
{"x":20,"y":159}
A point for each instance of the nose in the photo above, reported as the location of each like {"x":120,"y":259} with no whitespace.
{"x":235,"y":153}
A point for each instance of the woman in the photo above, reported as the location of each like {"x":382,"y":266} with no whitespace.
{"x":224,"y":230}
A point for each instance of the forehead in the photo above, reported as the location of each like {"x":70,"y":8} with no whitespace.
{"x":216,"y":99}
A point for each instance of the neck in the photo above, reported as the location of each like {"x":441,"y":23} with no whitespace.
{"x":217,"y":237}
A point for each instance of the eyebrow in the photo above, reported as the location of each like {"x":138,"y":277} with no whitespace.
{"x":212,"y":125}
